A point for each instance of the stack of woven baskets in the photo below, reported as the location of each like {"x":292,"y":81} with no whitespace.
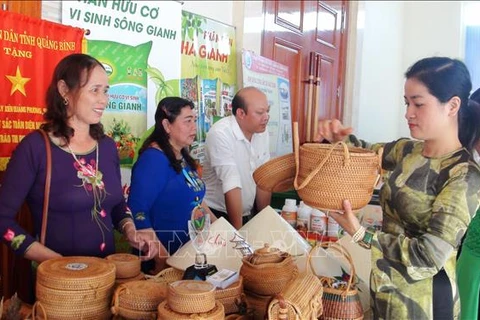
{"x":138,"y":299}
{"x":127,"y":267}
{"x":265,"y":274}
{"x":191,"y":299}
{"x":74,"y":288}
{"x":231,"y":297}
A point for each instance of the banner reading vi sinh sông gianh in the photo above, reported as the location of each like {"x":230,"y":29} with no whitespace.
{"x":138,"y":42}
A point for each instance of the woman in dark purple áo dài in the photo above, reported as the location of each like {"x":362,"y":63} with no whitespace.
{"x":86,"y":198}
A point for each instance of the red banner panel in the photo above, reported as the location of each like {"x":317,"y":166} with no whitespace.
{"x":30,"y":50}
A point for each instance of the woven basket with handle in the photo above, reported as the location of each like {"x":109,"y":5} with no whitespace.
{"x":167,"y":275}
{"x":327,"y":174}
{"x":340,"y":303}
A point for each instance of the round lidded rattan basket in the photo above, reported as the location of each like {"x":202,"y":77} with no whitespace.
{"x":136,"y":298}
{"x":327,"y":174}
{"x":127,"y":265}
{"x":191,"y":296}
{"x":165,"y":312}
{"x":267,"y":271}
{"x":72,"y":287}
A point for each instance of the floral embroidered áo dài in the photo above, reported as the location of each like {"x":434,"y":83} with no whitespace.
{"x":92,"y":182}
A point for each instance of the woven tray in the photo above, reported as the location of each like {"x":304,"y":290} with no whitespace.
{"x":76,"y":273}
{"x":166,"y":313}
{"x":277,"y":174}
{"x":138,"y":295}
{"x":127,"y":265}
{"x":231,"y":297}
{"x":191,"y":296}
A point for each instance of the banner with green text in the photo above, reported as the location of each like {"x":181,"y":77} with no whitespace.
{"x":138,"y":43}
{"x":209,"y":72}
{"x":30,"y":50}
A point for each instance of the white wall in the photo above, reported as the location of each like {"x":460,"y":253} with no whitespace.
{"x":395,"y":35}
{"x":380,"y":86}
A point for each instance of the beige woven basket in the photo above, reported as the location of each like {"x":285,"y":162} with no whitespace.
{"x":267,"y":278}
{"x":140,"y":276}
{"x":327,"y":174}
{"x":76,"y":273}
{"x":277,"y":174}
{"x":127,"y":265}
{"x":73,"y":287}
{"x":191,"y":296}
{"x":231,"y":297}
{"x":301,"y":299}
{"x":138,"y":297}
{"x":165,"y":312}
{"x":167,"y":275}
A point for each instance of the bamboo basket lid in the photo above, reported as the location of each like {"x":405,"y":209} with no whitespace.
{"x":139,"y":295}
{"x":140,"y":276}
{"x":191,"y":296}
{"x":127,"y":265}
{"x":165,"y":312}
{"x":76,"y":273}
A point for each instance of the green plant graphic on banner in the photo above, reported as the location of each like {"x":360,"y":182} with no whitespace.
{"x":191,"y":25}
{"x":164,"y":88}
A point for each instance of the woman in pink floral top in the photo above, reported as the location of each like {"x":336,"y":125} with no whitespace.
{"x":86,"y":198}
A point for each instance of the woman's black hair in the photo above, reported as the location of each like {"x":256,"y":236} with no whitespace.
{"x":72,"y":70}
{"x":446,"y":78}
{"x":169,"y":108}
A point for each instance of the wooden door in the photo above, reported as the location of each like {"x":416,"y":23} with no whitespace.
{"x":294,"y":29}
{"x":32,"y":8}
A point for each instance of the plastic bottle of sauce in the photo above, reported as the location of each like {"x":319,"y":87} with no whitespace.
{"x":303,"y":217}
{"x":289,"y":212}
{"x":318,"y":222}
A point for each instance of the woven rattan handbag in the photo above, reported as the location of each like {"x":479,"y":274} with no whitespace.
{"x":340,"y":302}
{"x":300,"y":300}
{"x":327,"y":174}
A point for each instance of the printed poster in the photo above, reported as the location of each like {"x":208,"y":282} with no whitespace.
{"x":272,"y":78}
{"x":138,"y":43}
{"x":30,"y":50}
{"x":208,"y":72}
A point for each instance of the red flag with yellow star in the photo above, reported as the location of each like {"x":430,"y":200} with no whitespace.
{"x":30,"y":50}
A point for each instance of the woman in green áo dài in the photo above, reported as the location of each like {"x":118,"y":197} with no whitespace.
{"x":429,"y":196}
{"x":468,"y":264}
